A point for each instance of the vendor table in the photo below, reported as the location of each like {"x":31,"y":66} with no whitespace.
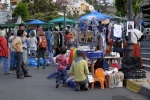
{"x":110,"y":59}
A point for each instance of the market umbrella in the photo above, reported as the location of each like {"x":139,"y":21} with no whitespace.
{"x":61,"y":20}
{"x":97,"y":15}
{"x":36,"y":22}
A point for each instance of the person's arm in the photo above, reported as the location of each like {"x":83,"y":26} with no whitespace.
{"x":86,"y":68}
{"x":35,"y":40}
{"x":39,"y":41}
{"x":10,"y":39}
{"x":23,"y":40}
{"x":67,"y":62}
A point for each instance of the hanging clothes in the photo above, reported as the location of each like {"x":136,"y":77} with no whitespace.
{"x":101,"y":42}
{"x":117,"y":31}
{"x":118,"y":38}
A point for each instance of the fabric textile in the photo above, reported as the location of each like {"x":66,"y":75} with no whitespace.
{"x":17,"y":44}
{"x":4,"y":50}
{"x":117,"y":31}
{"x":137,"y":51}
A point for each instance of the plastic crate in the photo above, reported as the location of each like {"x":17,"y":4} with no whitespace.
{"x":95,"y":54}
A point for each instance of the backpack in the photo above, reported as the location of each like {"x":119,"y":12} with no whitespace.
{"x":43,"y":44}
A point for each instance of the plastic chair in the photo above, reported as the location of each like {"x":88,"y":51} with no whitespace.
{"x":100,"y":77}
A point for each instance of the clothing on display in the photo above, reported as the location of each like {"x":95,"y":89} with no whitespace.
{"x":117,"y":30}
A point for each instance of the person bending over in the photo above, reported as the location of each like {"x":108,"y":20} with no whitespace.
{"x":79,"y":69}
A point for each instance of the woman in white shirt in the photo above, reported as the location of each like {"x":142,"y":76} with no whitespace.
{"x":33,"y":45}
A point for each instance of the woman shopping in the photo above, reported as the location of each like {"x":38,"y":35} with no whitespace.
{"x":73,"y":41}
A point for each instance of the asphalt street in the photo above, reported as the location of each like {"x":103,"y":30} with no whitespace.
{"x":39,"y":87}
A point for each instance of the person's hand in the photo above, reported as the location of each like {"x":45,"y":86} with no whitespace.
{"x":71,"y":76}
{"x":18,"y":49}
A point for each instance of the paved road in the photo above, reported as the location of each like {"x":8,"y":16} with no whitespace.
{"x":40,"y":88}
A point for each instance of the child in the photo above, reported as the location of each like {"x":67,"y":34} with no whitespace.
{"x":33,"y":45}
{"x":62,"y":61}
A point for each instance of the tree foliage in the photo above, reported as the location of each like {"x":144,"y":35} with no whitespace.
{"x":42,"y":9}
{"x":122,"y":7}
{"x":22,"y":10}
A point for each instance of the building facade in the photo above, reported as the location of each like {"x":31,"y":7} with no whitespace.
{"x":78,"y":7}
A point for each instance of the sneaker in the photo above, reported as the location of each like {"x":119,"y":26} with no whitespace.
{"x":28,"y":75}
{"x":57,"y":85}
{"x":6,"y":73}
{"x":77,"y":87}
{"x":86,"y":87}
{"x":65,"y":85}
{"x":20,"y":77}
{"x":43,"y":68}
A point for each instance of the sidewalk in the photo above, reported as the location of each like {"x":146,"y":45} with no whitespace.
{"x":147,"y":74}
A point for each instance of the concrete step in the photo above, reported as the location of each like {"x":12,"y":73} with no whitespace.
{"x":145,"y":45}
{"x":145,"y":42}
{"x":145,"y":50}
{"x":146,"y":67}
{"x":145,"y":55}
{"x":146,"y":61}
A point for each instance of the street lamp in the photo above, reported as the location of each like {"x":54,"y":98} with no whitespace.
{"x":8,"y":18}
{"x":64,"y":5}
{"x":129,"y":42}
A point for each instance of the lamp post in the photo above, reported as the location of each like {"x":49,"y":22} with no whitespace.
{"x":129,"y":42}
{"x":8,"y":18}
{"x":64,"y":5}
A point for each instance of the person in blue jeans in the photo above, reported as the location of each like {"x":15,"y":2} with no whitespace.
{"x":12,"y":52}
{"x":62,"y":61}
{"x":4,"y":52}
{"x":50,"y":41}
{"x":41,"y":51}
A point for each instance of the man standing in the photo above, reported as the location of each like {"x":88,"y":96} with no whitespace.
{"x":85,"y":28}
{"x":24,"y":44}
{"x":17,"y":46}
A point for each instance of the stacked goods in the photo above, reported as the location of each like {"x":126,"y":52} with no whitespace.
{"x":131,"y":68}
{"x":139,"y":86}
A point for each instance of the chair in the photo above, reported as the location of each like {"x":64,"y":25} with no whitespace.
{"x":100,"y":77}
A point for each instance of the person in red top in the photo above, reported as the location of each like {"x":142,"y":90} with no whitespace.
{"x":4,"y":52}
{"x":62,"y":61}
{"x":67,"y":36}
